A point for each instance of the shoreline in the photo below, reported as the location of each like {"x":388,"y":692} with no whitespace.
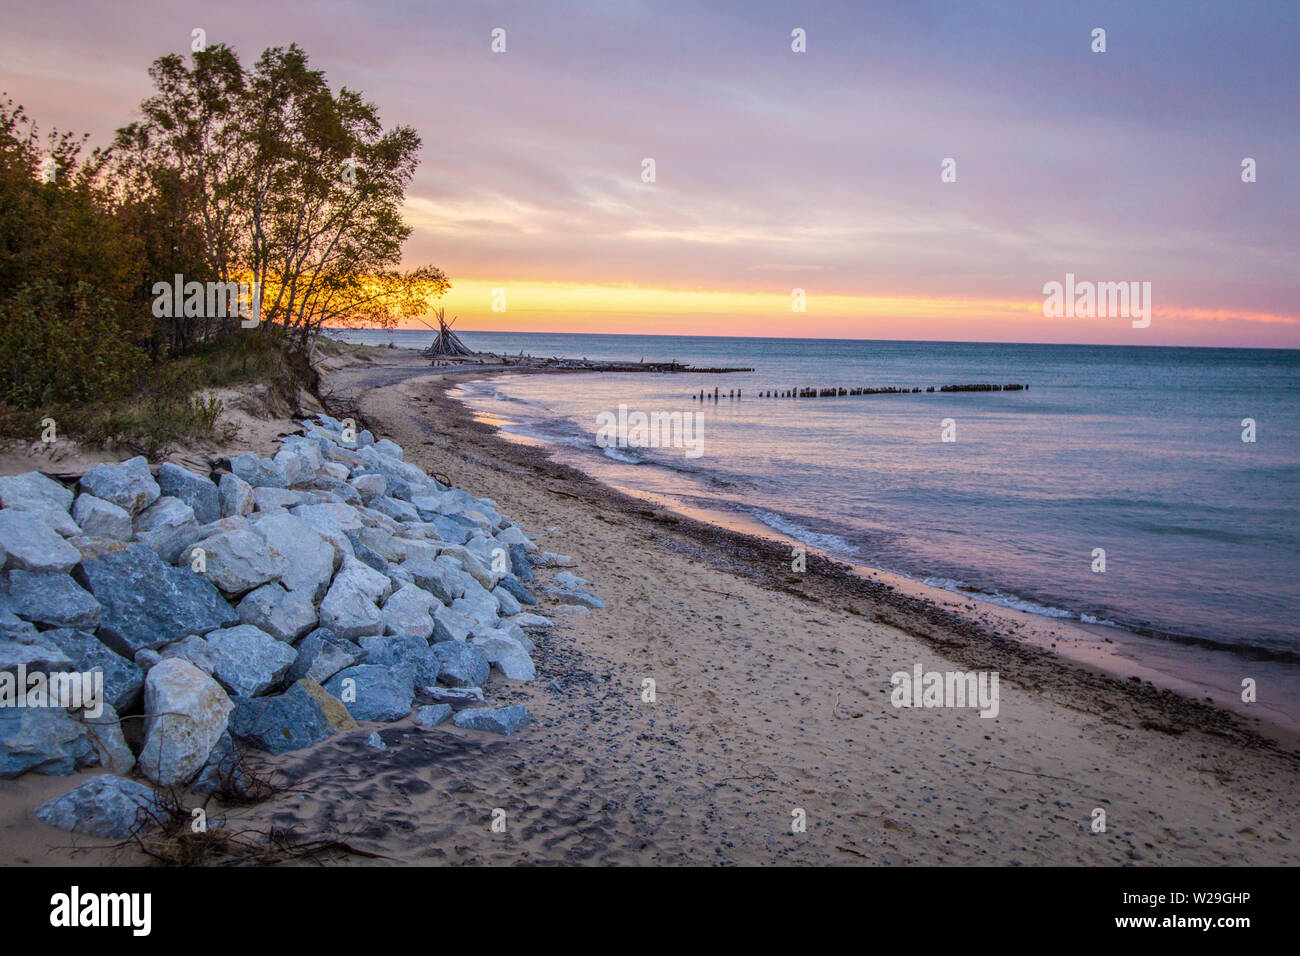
{"x":1095,"y":647}
{"x":677,"y":586}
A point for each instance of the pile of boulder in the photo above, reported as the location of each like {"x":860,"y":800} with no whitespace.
{"x":273,"y":607}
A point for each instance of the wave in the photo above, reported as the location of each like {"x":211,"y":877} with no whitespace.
{"x":824,"y":542}
{"x":1013,"y":601}
{"x":618,"y":454}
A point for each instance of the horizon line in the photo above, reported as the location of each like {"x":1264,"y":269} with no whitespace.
{"x":816,"y":338}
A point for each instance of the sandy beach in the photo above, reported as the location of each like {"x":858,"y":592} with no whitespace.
{"x":771,"y":704}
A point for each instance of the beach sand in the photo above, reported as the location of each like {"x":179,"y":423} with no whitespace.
{"x":772,"y":699}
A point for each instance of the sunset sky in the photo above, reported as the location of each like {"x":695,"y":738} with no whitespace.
{"x":776,"y":169}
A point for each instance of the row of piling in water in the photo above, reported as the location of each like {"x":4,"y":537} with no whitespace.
{"x":837,"y":392}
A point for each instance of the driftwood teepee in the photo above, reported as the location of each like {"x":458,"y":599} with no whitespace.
{"x":446,"y":342}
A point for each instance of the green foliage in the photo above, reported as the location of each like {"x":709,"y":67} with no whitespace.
{"x":233,"y":174}
{"x":69,"y":330}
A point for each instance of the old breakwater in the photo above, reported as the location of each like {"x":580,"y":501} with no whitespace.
{"x":834,"y":391}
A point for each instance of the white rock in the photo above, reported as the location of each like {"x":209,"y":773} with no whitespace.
{"x":508,"y":602}
{"x":349,"y":608}
{"x":28,"y":542}
{"x":237,"y":560}
{"x":507,"y":654}
{"x":298,"y":461}
{"x":306,"y":559}
{"x":33,"y":491}
{"x":408,"y":610}
{"x":391,"y":449}
{"x":449,"y":625}
{"x":345,"y":516}
{"x":370,"y":486}
{"x":271,"y":499}
{"x":102,"y":519}
{"x":285,"y":615}
{"x":236,"y":496}
{"x":186,"y":715}
{"x":129,"y":485}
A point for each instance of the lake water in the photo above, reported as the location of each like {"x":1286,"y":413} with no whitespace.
{"x":1137,"y":451}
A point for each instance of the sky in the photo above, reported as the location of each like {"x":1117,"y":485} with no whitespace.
{"x":778,"y":170}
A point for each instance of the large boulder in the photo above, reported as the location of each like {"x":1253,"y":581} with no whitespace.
{"x":374,"y":692}
{"x":102,"y":519}
{"x":369,"y":485}
{"x":105,"y":806}
{"x":506,"y":602}
{"x":298,"y":461}
{"x":123,"y":679}
{"x":407,"y":652}
{"x":28,"y":542}
{"x":507,"y":654}
{"x":236,"y":560}
{"x":522,"y":567}
{"x":168,"y":526}
{"x":449,"y":625}
{"x":40,"y":497}
{"x":500,"y":720}
{"x":304,"y":715}
{"x":408,"y":610}
{"x":306,"y":560}
{"x":395,"y":508}
{"x":186,"y":714}
{"x":478,"y":606}
{"x":45,"y":740}
{"x":345,"y":517}
{"x":147,"y":603}
{"x":462,"y":665}
{"x":442,"y":579}
{"x":129,"y":485}
{"x":285,"y":615}
{"x":52,"y":599}
{"x":258,"y":472}
{"x":321,"y":655}
{"x":235,"y":496}
{"x":274,"y":499}
{"x":33,"y":492}
{"x":197,"y":491}
{"x":350,"y":607}
{"x":450,"y":530}
{"x":249,"y":662}
{"x":12,"y":627}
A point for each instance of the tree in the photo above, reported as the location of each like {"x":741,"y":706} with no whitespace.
{"x":286,"y":183}
{"x":70,"y":328}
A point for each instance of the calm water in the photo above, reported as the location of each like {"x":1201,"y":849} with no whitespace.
{"x":1136,"y":451}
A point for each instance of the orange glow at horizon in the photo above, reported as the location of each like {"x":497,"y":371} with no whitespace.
{"x":538,"y":306}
